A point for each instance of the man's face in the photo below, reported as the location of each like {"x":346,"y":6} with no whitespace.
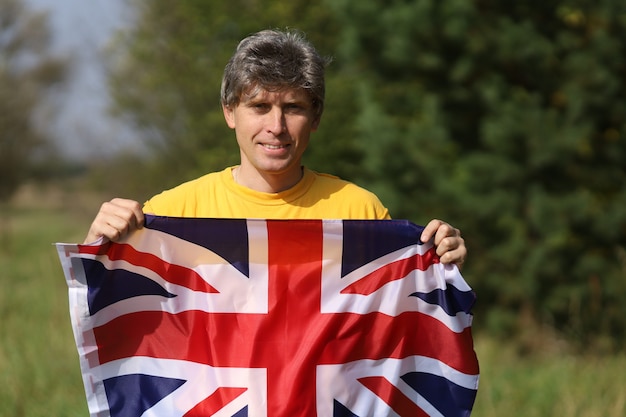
{"x":273,"y":130}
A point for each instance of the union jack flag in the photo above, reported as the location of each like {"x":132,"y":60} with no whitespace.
{"x":235,"y":317}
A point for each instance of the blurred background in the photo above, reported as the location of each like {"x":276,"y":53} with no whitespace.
{"x":506,"y":119}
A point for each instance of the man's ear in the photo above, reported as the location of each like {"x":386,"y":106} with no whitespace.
{"x":229,"y":115}
{"x":316,"y":123}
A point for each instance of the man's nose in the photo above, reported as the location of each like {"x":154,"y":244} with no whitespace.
{"x":276,"y":122}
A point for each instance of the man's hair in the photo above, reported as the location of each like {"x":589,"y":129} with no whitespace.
{"x":274,"y":60}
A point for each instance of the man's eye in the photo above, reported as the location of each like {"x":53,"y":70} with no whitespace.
{"x":260,"y":106}
{"x":293,"y":107}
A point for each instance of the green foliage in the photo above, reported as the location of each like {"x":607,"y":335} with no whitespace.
{"x":26,"y":72}
{"x":505,"y":119}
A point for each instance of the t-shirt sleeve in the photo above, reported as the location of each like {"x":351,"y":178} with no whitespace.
{"x":147,"y":207}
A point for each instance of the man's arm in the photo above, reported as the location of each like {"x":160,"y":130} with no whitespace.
{"x":115,"y":219}
{"x":448,"y":242}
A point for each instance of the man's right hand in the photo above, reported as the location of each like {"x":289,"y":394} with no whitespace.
{"x":115,"y":219}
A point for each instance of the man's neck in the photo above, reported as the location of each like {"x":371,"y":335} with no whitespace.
{"x":266,"y":182}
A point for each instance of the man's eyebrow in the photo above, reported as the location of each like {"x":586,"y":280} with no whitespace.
{"x":253,"y":100}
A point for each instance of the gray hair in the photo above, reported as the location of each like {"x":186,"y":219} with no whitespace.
{"x":273,"y":60}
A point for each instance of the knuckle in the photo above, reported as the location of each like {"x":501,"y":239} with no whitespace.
{"x":445,"y":229}
{"x":449,"y":242}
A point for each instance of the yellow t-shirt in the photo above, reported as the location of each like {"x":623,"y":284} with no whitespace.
{"x":316,"y":196}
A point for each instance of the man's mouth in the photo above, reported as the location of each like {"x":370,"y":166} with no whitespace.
{"x":272,"y":147}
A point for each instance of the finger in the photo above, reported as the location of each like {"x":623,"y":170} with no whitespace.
{"x":129,"y":210}
{"x":444,"y":231}
{"x":456,"y":257}
{"x":448,"y":244}
{"x":115,"y":219}
{"x":430,"y":230}
{"x":440,"y":230}
{"x":452,"y":250}
{"x":122,"y":216}
{"x":108,"y":226}
{"x":109,"y":231}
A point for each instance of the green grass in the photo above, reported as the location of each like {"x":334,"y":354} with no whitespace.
{"x":39,"y":372}
{"x":548,"y":385}
{"x":39,"y":369}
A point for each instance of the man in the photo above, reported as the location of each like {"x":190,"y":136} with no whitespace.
{"x":272,"y":97}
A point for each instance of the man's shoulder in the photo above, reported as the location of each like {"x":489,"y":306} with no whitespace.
{"x":330,"y":180}
{"x":341,"y":188}
{"x":346,"y":199}
{"x":201,"y":181}
{"x":174,"y":201}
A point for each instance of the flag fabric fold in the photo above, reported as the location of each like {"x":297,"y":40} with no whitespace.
{"x":250,"y":317}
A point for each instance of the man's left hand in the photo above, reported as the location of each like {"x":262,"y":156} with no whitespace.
{"x":449,"y":244}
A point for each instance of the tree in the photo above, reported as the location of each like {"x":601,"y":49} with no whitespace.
{"x":506,"y":119}
{"x":25,"y":74}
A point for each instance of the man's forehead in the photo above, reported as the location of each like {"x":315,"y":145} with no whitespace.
{"x":282,"y":94}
